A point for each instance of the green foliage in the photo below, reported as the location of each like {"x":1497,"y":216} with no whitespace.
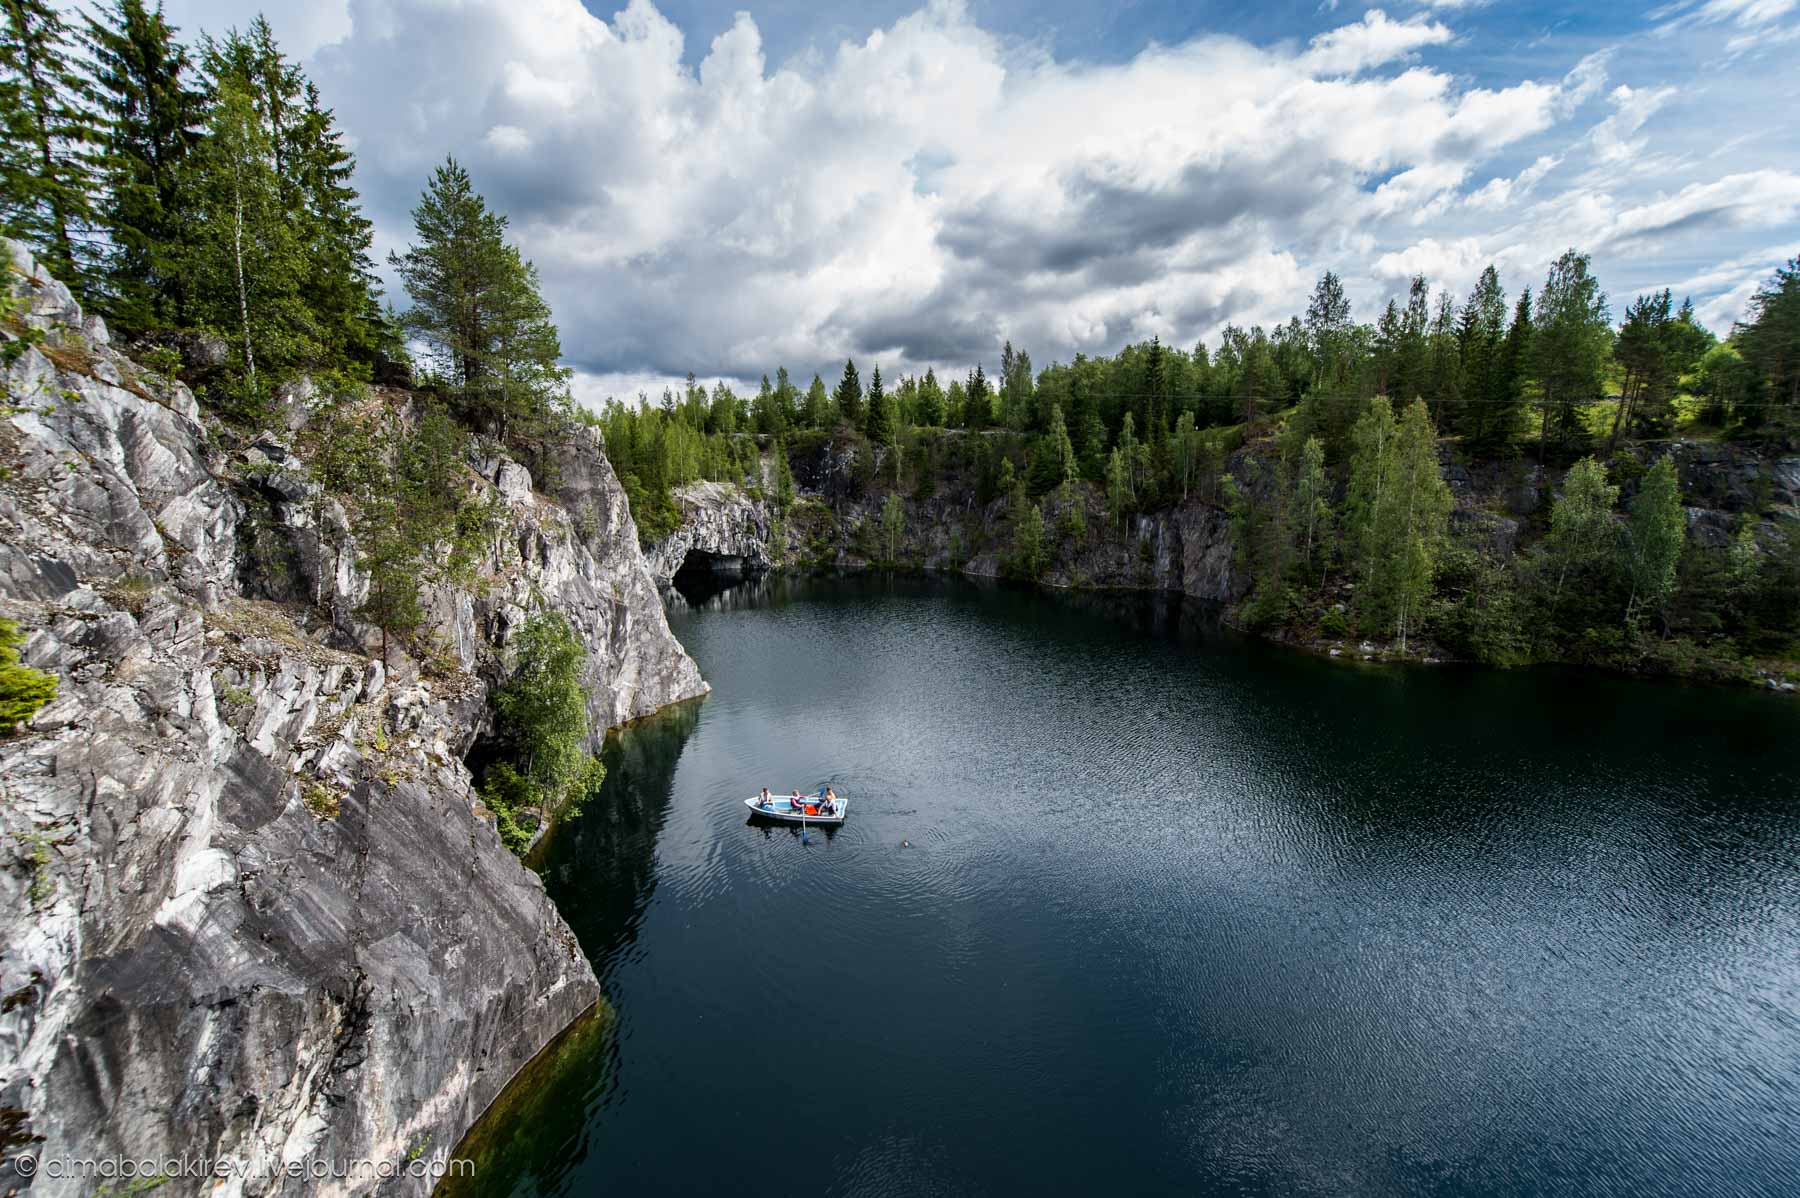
{"x":1571,"y":339}
{"x":1655,"y":536}
{"x":541,"y":720}
{"x":47,"y":135}
{"x":1583,"y":538}
{"x":849,"y":397}
{"x":476,"y":305}
{"x":23,"y":690}
{"x":1399,"y":509}
{"x":1770,"y":343}
{"x":416,"y":515}
{"x":151,"y":118}
{"x":1029,"y":556}
{"x":893,"y":527}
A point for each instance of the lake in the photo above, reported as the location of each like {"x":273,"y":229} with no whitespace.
{"x":1126,"y":903}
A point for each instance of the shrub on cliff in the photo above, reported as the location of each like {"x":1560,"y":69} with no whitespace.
{"x":23,"y":690}
{"x":541,"y":716}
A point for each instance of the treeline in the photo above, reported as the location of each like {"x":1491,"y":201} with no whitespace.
{"x":189,"y":189}
{"x":1544,"y":372}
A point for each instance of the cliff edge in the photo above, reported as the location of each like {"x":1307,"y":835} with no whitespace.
{"x":253,"y":913}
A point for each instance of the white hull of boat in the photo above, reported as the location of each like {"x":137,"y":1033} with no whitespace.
{"x":782,"y":808}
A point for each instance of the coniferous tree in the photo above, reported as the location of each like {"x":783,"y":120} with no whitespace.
{"x":477,"y":307}
{"x":151,"y":120}
{"x":879,"y":424}
{"x":1770,"y":343}
{"x":340,"y":291}
{"x":1571,"y":338}
{"x":1480,"y":335}
{"x":49,"y":135}
{"x":849,"y":396}
{"x":978,"y":404}
{"x":930,"y":411}
{"x":1444,"y":377}
{"x":817,"y":410}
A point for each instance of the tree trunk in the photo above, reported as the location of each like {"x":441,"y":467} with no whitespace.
{"x":237,"y":245}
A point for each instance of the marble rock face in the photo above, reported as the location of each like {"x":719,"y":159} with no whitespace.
{"x":251,"y":910}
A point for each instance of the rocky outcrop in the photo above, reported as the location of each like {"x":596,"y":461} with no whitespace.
{"x":838,"y":523}
{"x":722,"y":524}
{"x":252,"y":911}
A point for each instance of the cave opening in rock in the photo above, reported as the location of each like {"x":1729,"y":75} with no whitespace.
{"x":703,"y":575}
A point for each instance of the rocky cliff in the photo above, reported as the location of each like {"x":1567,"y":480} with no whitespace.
{"x":253,"y":912}
{"x":836,"y":523}
{"x":722,"y":526}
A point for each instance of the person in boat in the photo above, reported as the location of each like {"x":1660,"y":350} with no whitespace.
{"x":796,"y":802}
{"x":830,"y":801}
{"x":766,"y":798}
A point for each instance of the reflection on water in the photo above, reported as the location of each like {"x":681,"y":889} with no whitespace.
{"x":1128,"y":904}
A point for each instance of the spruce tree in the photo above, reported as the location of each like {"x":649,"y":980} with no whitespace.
{"x":879,"y":424}
{"x":340,"y":292}
{"x":50,"y":134}
{"x":849,"y":396}
{"x":151,"y":119}
{"x":1493,"y":422}
{"x":978,"y":404}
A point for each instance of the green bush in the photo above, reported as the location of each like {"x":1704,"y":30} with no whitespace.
{"x":23,"y":690}
{"x":542,"y":720}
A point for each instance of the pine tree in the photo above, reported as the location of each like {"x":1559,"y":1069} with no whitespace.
{"x":477,"y":307}
{"x":151,"y":118}
{"x":50,"y":132}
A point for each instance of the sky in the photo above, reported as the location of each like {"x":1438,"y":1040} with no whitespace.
{"x":718,"y":190}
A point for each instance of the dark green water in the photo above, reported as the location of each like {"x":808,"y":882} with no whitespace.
{"x":1180,"y":913}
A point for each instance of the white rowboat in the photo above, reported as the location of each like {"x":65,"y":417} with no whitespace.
{"x":782,"y":809}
